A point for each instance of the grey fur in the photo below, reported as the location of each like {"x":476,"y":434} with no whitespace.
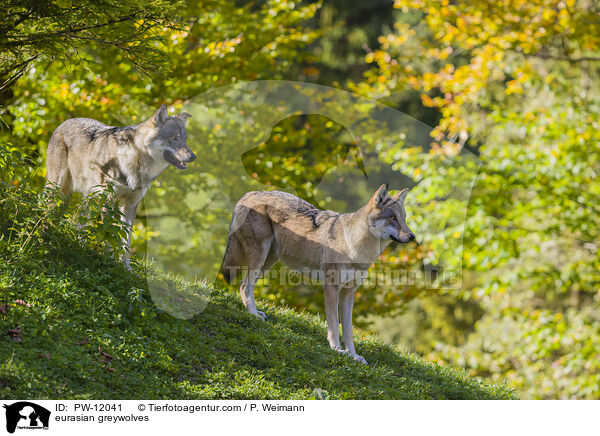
{"x":84,"y":154}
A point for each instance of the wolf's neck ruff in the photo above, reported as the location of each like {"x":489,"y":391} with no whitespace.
{"x":149,"y":161}
{"x":134,"y":167}
{"x":363,"y":245}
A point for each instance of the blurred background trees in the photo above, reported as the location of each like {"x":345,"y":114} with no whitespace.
{"x":517,"y":83}
{"x":513,"y":82}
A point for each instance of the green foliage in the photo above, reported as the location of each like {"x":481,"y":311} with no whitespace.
{"x":221,"y":43}
{"x":515,"y":81}
{"x":225,"y":44}
{"x":350,"y":28}
{"x":37,"y":224}
{"x":81,"y":326}
{"x":100,"y":220}
{"x":34,"y":31}
{"x":250,"y":146}
{"x":298,"y":153}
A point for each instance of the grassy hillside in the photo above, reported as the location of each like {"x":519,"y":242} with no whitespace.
{"x":75,"y":324}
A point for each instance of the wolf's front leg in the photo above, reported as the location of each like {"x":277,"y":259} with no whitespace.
{"x":346,"y":306}
{"x":331,"y":315}
{"x":128,"y":218}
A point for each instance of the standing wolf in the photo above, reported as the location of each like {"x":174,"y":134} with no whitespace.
{"x":336,"y":248}
{"x":84,"y":154}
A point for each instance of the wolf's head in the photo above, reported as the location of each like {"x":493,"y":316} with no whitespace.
{"x":171,"y":137}
{"x":386,"y":216}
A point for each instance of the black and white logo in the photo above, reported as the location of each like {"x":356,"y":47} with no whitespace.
{"x":26,"y":415}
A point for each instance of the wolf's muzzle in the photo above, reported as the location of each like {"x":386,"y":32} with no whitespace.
{"x":177,"y":160}
{"x":409,"y":237}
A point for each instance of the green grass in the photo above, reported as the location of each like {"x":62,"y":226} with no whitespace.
{"x":221,"y":353}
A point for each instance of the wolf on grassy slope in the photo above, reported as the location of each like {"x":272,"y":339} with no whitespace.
{"x":336,"y":248}
{"x":84,"y":154}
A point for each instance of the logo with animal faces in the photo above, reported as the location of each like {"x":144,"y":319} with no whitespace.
{"x":24,"y":415}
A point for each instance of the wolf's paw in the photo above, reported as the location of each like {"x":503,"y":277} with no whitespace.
{"x":261,"y":315}
{"x":359,"y":359}
{"x":339,"y":350}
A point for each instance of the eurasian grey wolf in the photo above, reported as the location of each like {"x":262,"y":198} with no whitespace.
{"x":336,"y":248}
{"x":84,"y":155}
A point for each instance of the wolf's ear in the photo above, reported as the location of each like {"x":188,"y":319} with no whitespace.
{"x":184,"y":116}
{"x":160,"y":116}
{"x":379,"y":197}
{"x":401,"y":196}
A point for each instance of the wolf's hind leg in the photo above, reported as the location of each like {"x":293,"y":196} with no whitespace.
{"x":269,"y":262}
{"x":257,"y":256}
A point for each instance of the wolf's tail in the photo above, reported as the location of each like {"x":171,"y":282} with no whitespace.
{"x":57,"y":168}
{"x":233,"y":259}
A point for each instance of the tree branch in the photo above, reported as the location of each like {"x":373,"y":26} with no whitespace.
{"x":30,"y":39}
{"x":22,"y":66}
{"x":563,"y":58}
